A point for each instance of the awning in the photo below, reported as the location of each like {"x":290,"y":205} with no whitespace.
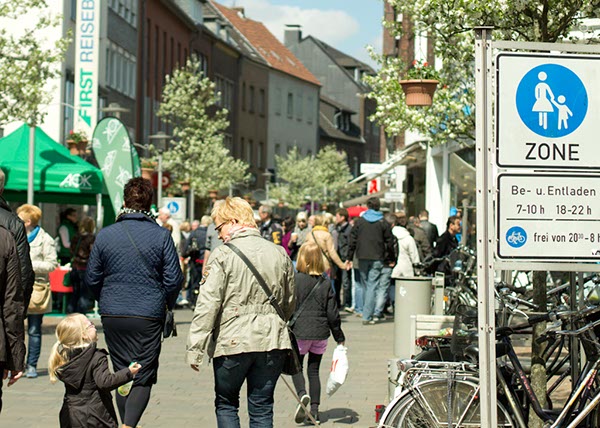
{"x":362,"y":199}
{"x":401,"y":158}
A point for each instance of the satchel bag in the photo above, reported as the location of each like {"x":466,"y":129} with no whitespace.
{"x":169,"y":326}
{"x":291,"y":365}
{"x":41,"y":298}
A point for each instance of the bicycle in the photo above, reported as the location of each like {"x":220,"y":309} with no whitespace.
{"x":445,"y":394}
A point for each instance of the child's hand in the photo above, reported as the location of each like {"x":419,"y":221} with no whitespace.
{"x":134,"y":368}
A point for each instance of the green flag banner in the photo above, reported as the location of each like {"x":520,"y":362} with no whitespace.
{"x":115,"y":156}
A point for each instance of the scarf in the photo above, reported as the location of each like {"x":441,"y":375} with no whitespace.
{"x":126,"y":210}
{"x":235,"y":230}
{"x":32,"y":235}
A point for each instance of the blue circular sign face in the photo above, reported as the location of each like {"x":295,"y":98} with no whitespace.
{"x":551,"y":100}
{"x":173,"y":207}
{"x":516,"y":237}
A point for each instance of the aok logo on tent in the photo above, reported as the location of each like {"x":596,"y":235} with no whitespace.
{"x":77,"y":181}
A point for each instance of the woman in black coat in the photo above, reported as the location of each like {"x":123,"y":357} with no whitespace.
{"x":316,"y":316}
{"x":134,"y":273}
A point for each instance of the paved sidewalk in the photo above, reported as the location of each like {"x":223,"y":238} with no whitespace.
{"x":185,"y":398}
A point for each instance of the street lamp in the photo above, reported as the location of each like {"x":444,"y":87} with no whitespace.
{"x":161,"y":141}
{"x":267,"y":176}
{"x":116,"y":109}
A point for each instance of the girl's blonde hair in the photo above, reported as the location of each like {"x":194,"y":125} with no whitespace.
{"x":87,"y":225}
{"x":233,"y":209}
{"x":71,"y":333}
{"x":310,"y":259}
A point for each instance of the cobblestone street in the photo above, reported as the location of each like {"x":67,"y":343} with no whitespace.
{"x":185,"y":398}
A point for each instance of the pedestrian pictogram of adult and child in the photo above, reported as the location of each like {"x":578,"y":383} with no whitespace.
{"x":545,"y":102}
{"x":552,"y":100}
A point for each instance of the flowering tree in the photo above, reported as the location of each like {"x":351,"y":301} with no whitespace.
{"x":451,"y":23}
{"x":27,"y":60}
{"x":199,"y":155}
{"x":322,"y":178}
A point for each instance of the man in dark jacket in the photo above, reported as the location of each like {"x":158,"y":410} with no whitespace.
{"x":416,"y":231}
{"x":430,"y":229}
{"x":12,"y":330}
{"x":448,"y":242}
{"x":195,"y":248}
{"x":372,"y":240}
{"x":15,"y":226}
{"x":343,"y":280}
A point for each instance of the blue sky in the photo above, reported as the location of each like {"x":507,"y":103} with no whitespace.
{"x":347,"y":25}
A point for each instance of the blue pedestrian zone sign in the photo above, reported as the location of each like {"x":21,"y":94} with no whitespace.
{"x":173,"y":207}
{"x":552,"y":100}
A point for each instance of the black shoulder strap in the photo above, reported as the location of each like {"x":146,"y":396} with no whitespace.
{"x":151,"y":271}
{"x":259,"y":278}
{"x":303,"y":305}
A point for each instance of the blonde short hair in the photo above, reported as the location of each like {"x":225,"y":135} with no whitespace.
{"x":310,"y":259}
{"x":30,"y":212}
{"x":205,"y":220}
{"x":233,"y":209}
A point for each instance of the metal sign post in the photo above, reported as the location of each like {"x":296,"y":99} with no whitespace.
{"x":485,"y":226}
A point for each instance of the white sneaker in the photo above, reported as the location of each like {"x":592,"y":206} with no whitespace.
{"x":300,"y":412}
{"x":184,"y":302}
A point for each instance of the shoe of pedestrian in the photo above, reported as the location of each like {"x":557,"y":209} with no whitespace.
{"x":349,"y":309}
{"x":370,"y":322}
{"x":31,"y":372}
{"x":300,"y":412}
{"x":184,"y":302}
{"x":315,"y":415}
{"x":376,"y":318}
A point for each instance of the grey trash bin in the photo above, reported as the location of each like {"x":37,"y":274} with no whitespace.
{"x":413,"y":297}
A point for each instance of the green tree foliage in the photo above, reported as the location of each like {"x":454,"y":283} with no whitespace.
{"x":27,"y":60}
{"x":198,"y":154}
{"x":450,"y":23}
{"x":323,"y":178}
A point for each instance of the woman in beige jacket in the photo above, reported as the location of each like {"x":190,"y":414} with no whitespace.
{"x":234,"y":321}
{"x":320,"y":234}
{"x":44,"y":260}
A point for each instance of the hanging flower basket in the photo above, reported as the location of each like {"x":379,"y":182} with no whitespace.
{"x":147,"y":173}
{"x":73,"y":149}
{"x":419,"y":92}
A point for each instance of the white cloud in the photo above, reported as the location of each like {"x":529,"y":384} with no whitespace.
{"x":332,"y":26}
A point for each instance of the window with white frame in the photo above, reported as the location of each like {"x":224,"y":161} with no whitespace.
{"x":299,"y":105}
{"x":120,"y":70}
{"x":225,"y":88}
{"x":126,"y":9}
{"x":309,"y":109}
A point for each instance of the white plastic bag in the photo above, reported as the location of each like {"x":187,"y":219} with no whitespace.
{"x":339,"y":369}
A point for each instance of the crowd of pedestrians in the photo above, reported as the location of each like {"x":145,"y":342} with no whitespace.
{"x":270,"y":275}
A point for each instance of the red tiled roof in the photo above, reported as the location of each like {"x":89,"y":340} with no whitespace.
{"x":272,"y":50}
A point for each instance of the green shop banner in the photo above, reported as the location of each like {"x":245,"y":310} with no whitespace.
{"x":116,"y":157}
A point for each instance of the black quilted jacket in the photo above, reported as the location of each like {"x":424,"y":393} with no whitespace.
{"x":121,"y":281}
{"x":320,"y":314}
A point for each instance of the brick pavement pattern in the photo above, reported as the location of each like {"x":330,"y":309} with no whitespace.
{"x":183,"y":397}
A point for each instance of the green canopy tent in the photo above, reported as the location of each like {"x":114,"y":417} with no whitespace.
{"x":59,"y":177}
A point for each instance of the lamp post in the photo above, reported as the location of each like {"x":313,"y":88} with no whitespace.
{"x":116,"y":109}
{"x":267,"y":176}
{"x":161,"y":141}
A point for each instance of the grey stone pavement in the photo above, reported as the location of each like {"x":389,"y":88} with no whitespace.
{"x":184,"y":398}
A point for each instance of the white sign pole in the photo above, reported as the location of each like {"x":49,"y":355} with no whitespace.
{"x":485,"y":228}
{"x":87,"y":58}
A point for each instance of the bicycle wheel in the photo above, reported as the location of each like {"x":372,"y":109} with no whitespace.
{"x":428,"y":406}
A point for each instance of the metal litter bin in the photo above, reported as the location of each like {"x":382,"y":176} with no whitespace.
{"x":413,"y":296}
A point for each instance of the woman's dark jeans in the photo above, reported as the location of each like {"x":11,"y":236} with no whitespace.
{"x":81,"y":298}
{"x":261,"y":370}
{"x":34,"y":330}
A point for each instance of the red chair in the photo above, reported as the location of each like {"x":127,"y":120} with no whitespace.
{"x":57,"y":277}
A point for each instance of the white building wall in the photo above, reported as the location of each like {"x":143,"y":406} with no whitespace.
{"x":299,"y":130}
